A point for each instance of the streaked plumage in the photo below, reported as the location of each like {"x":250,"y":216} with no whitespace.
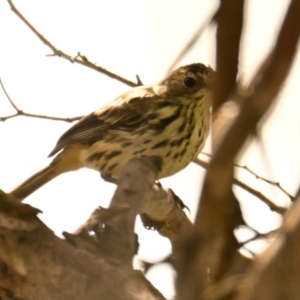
{"x":168,"y":121}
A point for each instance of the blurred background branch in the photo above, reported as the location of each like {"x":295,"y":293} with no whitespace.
{"x":208,"y":255}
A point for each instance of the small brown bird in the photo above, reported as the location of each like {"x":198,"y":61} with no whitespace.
{"x":168,"y":122}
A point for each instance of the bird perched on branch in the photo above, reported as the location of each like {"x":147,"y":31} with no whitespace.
{"x":168,"y":122}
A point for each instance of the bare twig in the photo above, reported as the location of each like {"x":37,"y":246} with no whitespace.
{"x":279,"y":209}
{"x":275,"y":183}
{"x":275,"y":271}
{"x":138,"y":80}
{"x":20,"y":112}
{"x":80,"y":59}
{"x":8,"y":97}
{"x":196,"y":36}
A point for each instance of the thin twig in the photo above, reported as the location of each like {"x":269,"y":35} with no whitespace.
{"x":267,"y":180}
{"x":277,"y":184}
{"x":196,"y":36}
{"x":279,"y":209}
{"x":8,"y":97}
{"x":258,"y":236}
{"x":80,"y":59}
{"x":20,"y":112}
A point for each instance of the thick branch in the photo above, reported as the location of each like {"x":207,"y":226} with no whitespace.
{"x":163,"y":211}
{"x":35,"y":264}
{"x":215,"y":218}
{"x":275,"y":274}
{"x":229,"y":19}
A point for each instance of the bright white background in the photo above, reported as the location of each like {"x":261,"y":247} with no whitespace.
{"x":129,"y":37}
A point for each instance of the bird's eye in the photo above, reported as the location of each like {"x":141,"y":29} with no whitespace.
{"x":189,"y":82}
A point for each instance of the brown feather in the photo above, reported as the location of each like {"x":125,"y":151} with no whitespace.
{"x":66,"y":161}
{"x":168,"y":122}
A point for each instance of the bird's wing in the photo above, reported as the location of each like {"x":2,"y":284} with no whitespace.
{"x":126,"y":113}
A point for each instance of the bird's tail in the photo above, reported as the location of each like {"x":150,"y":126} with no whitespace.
{"x":67,"y":160}
{"x":35,"y":182}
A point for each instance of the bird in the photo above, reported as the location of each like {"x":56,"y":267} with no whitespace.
{"x":168,"y":122}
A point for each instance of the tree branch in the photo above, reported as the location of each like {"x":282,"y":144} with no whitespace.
{"x":35,"y":264}
{"x":277,"y":184}
{"x":189,"y":45}
{"x":275,"y":273}
{"x":79,"y":59}
{"x":217,"y":215}
{"x":274,"y":207}
{"x":271,"y":182}
{"x":20,"y":112}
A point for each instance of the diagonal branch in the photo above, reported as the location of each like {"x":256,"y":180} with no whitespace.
{"x":267,"y":181}
{"x":279,"y":209}
{"x":20,"y":112}
{"x":196,"y":36}
{"x":211,"y":242}
{"x":79,"y":59}
{"x":271,"y":182}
